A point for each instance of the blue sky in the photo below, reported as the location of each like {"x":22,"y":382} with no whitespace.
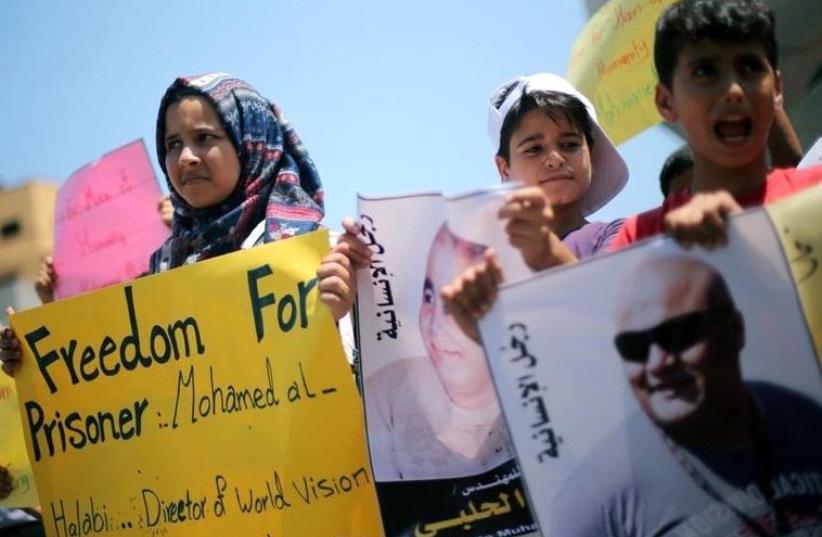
{"x":389,"y":97}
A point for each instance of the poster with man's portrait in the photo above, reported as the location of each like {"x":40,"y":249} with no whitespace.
{"x":441,"y":452}
{"x":665,"y":392}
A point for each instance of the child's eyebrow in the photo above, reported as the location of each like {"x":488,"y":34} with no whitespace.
{"x":205,"y":127}
{"x":532,"y":138}
{"x":197,"y":129}
{"x":703,"y":58}
{"x":746,"y":56}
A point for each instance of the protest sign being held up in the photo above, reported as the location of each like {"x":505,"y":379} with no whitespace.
{"x":106,"y":221}
{"x":212,"y":399}
{"x":692,"y":375}
{"x":441,"y":453}
{"x":106,"y":227}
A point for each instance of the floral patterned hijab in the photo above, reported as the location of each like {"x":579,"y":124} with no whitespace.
{"x":278,"y":180}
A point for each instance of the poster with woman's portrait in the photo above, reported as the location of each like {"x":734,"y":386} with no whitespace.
{"x":668,"y":392}
{"x":441,"y":452}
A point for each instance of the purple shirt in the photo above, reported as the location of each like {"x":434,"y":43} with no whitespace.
{"x":588,"y":240}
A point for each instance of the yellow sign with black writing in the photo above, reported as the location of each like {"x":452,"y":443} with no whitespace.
{"x":13,"y":455}
{"x":612,"y":63}
{"x":214,"y":399}
{"x":797,"y":222}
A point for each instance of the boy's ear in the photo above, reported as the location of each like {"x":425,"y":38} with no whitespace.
{"x":502,"y":167}
{"x":664,"y":103}
{"x":778,"y":96}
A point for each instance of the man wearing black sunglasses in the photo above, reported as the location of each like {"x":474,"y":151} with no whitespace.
{"x":680,"y":336}
{"x":710,"y":454}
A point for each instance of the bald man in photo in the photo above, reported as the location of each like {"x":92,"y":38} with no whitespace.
{"x":710,"y":454}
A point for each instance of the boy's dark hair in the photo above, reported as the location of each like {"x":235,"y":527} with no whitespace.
{"x":554,"y":104}
{"x":690,"y":21}
{"x":678,"y":162}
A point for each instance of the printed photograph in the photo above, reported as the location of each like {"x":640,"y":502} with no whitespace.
{"x":696,"y":406}
{"x":442,"y":457}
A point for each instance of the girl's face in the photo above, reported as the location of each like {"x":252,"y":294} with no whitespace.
{"x":200,"y":158}
{"x":551,"y":154}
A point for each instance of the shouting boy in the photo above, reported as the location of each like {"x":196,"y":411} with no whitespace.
{"x":718,"y":78}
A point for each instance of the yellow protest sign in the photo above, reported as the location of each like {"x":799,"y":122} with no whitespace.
{"x":13,"y":449}
{"x":612,"y":63}
{"x":797,"y":222}
{"x":214,"y":399}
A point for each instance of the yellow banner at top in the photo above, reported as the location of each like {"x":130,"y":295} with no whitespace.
{"x":612,"y":63}
{"x":214,"y":399}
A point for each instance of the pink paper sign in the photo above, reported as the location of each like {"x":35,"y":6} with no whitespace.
{"x":106,"y":221}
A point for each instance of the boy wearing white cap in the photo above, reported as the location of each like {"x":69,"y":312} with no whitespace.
{"x":547,"y":137}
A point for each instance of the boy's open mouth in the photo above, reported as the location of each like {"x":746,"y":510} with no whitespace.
{"x":733,"y":130}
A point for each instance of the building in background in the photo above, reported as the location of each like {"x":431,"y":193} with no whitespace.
{"x":26,"y":235}
{"x":800,"y":60}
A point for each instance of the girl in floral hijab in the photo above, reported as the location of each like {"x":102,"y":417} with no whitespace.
{"x":238,"y":176}
{"x":232,"y":162}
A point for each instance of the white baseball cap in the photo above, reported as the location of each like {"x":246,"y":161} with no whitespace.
{"x":609,"y":172}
